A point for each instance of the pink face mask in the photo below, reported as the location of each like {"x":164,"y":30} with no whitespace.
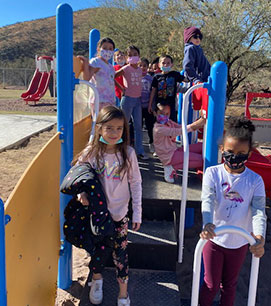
{"x":133,"y":59}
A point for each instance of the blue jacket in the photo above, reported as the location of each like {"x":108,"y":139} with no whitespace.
{"x":195,"y":65}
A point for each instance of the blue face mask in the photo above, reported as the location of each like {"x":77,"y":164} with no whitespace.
{"x":165,"y":69}
{"x":101,"y":139}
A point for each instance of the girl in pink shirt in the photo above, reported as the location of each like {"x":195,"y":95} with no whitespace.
{"x":131,"y":100}
{"x":117,"y":167}
{"x":165,"y":132}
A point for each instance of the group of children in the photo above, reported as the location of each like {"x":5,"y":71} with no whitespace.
{"x":231,"y":195}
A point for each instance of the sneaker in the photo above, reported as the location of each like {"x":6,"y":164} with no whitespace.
{"x":168,"y":174}
{"x":142,"y":156}
{"x":124,"y":301}
{"x":151,"y":148}
{"x":96,"y":292}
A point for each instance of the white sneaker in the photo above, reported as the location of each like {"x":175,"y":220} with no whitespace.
{"x":168,"y":174}
{"x":154,"y":154}
{"x":124,"y":302}
{"x":151,"y":148}
{"x":96,"y":292}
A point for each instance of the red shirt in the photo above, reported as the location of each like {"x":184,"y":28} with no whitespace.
{"x":119,"y":79}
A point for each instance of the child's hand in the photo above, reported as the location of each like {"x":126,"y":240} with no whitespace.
{"x":82,"y":197}
{"x":149,"y":109}
{"x":208,"y":231}
{"x":257,"y":249}
{"x":135,"y":226}
{"x":189,"y":128}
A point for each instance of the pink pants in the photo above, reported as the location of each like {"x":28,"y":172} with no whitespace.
{"x":195,"y":157}
{"x":222,"y":267}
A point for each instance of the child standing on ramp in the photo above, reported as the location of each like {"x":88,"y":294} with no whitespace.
{"x":117,"y":167}
{"x":234,"y":195}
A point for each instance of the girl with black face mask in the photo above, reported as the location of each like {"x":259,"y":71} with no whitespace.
{"x":232,"y":194}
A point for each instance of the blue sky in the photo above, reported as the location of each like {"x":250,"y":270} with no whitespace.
{"x":13,"y":11}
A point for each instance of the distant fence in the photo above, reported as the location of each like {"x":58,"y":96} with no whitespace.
{"x":15,"y":76}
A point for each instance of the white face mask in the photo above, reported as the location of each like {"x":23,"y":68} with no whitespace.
{"x":106,"y":54}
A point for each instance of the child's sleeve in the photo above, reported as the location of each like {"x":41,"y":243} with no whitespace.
{"x":208,"y":196}
{"x":165,"y":130}
{"x":154,"y":82}
{"x":258,"y":209}
{"x":189,"y":65}
{"x":95,"y":62}
{"x":179,"y":78}
{"x":135,"y":182}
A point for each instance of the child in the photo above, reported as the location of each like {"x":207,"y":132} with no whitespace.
{"x":117,"y":167}
{"x":119,"y":59}
{"x":164,"y":86}
{"x":101,"y":73}
{"x":130,"y":101}
{"x":145,"y":96}
{"x":164,"y":134}
{"x":195,"y":65}
{"x":231,"y":195}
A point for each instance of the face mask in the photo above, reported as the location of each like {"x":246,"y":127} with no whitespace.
{"x":121,"y":63}
{"x":162,"y":119}
{"x":106,"y":54}
{"x":235,"y":161}
{"x":101,"y":139}
{"x":165,"y":69}
{"x":133,"y":59}
{"x":144,"y":73}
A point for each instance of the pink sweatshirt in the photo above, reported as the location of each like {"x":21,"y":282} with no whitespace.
{"x":116,"y":186}
{"x":163,"y":136}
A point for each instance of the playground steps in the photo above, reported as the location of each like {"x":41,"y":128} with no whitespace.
{"x":146,"y":288}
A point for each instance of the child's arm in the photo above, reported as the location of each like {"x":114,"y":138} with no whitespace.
{"x":258,"y":219}
{"x":119,"y":86}
{"x":88,"y":71}
{"x":119,"y":73}
{"x":135,"y":182}
{"x":189,"y":65}
{"x":207,"y":206}
{"x":196,"y":125}
{"x":152,"y":95}
{"x":168,"y":131}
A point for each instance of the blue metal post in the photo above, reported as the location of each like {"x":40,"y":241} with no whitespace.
{"x":94,"y":37}
{"x":216,"y":111}
{"x":3,"y":286}
{"x":65,"y":84}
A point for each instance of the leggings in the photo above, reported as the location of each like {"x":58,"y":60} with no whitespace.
{"x":222,"y":267}
{"x":120,"y":253}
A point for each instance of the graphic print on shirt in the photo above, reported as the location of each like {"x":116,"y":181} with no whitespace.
{"x":108,"y":171}
{"x":135,"y":79}
{"x":166,"y":88}
{"x":231,"y":195}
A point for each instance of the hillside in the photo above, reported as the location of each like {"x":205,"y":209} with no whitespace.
{"x":20,"y":42}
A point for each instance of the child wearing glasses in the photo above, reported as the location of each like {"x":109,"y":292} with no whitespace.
{"x":195,"y":65}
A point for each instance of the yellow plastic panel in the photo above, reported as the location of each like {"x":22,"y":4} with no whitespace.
{"x":77,"y":66}
{"x":81,"y":134}
{"x":32,"y":236}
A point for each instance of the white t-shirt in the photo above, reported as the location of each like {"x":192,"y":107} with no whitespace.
{"x":233,"y":199}
{"x":104,"y":80}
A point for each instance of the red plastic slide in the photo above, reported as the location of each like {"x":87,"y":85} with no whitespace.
{"x":42,"y":87}
{"x":33,"y":86}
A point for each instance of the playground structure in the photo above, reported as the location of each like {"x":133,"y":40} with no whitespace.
{"x":40,"y":80}
{"x":34,"y":237}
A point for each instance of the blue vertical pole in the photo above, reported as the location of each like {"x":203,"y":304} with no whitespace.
{"x":216,"y":111}
{"x":94,"y":37}
{"x":65,"y":83}
{"x":3,"y":285}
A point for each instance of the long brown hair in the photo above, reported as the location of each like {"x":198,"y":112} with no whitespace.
{"x":96,"y":148}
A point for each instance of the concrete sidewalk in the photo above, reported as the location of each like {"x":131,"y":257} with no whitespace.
{"x":15,"y":129}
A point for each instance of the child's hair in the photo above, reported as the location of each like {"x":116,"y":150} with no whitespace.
{"x":155,"y":61}
{"x":117,"y":53}
{"x":160,"y":104}
{"x":165,"y":56}
{"x":103,"y":40}
{"x":145,"y":61}
{"x":132,"y":47}
{"x":96,"y":148}
{"x":240,"y":128}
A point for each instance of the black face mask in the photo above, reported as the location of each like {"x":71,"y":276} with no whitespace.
{"x":234,"y":161}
